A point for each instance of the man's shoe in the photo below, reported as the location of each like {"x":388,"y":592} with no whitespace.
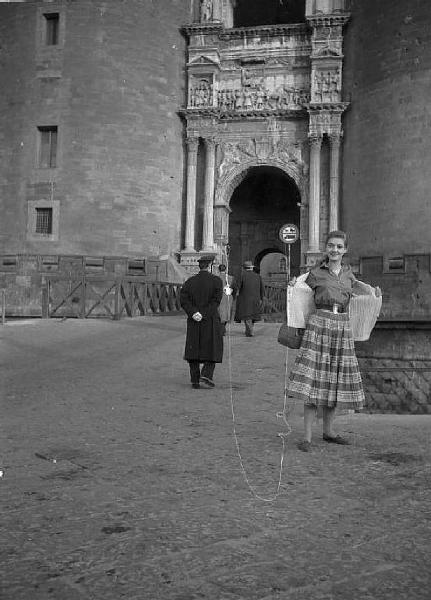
{"x":336,"y":439}
{"x":196,"y":386}
{"x":207,"y":382}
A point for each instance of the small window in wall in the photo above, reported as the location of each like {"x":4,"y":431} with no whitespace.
{"x":44,"y":221}
{"x":47,"y":147}
{"x":394,"y":264}
{"x":52,"y":23}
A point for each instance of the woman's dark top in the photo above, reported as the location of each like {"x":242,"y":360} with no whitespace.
{"x":329,"y":288}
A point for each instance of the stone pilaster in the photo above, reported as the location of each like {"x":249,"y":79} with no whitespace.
{"x":208,"y":220}
{"x":334,"y":180}
{"x":192,"y":152}
{"x":314,"y":196}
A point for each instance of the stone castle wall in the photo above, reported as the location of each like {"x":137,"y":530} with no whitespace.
{"x":113,"y":86}
{"x":387,"y":141}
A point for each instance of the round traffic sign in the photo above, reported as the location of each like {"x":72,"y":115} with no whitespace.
{"x":289,"y":233}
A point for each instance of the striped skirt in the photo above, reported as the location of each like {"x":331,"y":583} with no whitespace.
{"x":326,"y":371}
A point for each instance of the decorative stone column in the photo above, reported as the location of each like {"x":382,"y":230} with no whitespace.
{"x":334,"y":180}
{"x":208,"y":220}
{"x":314,"y":200}
{"x":192,"y":153}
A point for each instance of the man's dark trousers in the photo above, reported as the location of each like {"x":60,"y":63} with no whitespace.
{"x":195,"y":371}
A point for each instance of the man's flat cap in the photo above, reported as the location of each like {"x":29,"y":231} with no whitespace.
{"x":206,"y":258}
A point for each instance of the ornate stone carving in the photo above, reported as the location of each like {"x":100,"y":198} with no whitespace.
{"x":335,"y":137}
{"x":207,"y":9}
{"x":325,"y":122}
{"x":192,"y":143}
{"x":192,"y":149}
{"x":256,"y":97}
{"x":231,"y":155}
{"x":326,"y":86}
{"x":260,"y":150}
{"x":201,"y":93}
{"x":315,"y":140}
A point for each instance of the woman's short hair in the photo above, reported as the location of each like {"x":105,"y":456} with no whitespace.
{"x":337,"y":234}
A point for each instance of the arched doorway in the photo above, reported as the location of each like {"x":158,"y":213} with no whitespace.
{"x":266,"y":199}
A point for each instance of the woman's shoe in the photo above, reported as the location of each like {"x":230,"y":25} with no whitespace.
{"x":304,"y":446}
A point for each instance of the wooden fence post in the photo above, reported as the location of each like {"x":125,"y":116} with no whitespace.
{"x":3,"y":307}
{"x":45,"y":300}
{"x":83,"y":298}
{"x":145,"y":302}
{"x":117,"y":310}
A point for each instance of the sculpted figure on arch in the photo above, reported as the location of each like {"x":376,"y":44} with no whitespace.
{"x":206,"y":10}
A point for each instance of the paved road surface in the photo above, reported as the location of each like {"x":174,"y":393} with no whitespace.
{"x":120,"y":481}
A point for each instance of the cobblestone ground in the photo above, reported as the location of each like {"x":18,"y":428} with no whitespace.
{"x":120,"y":481}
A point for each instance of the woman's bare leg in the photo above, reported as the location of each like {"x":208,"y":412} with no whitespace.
{"x":328,"y":421}
{"x":309,"y":416}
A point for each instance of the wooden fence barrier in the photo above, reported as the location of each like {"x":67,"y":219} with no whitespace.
{"x":93,"y":296}
{"x":274,"y":303}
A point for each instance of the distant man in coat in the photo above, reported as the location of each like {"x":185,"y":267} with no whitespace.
{"x":249,"y":292}
{"x":200,"y":298}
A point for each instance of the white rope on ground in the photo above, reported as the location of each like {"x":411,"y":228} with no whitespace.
{"x":283,"y":414}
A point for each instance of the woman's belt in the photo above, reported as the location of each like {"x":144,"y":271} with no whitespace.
{"x":335,"y":308}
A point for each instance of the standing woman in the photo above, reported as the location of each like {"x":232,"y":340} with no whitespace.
{"x":326,"y":372}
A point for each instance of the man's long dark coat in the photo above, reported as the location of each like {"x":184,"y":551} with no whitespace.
{"x":204,"y":341}
{"x":249,"y":292}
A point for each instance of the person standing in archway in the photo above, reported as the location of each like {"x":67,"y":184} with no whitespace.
{"x":200,"y":297}
{"x":249,"y":293}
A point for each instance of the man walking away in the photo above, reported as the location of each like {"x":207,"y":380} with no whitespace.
{"x":250,"y":292}
{"x":200,"y":298}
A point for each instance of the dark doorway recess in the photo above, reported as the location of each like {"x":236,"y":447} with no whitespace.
{"x":251,"y":13}
{"x":266,"y":199}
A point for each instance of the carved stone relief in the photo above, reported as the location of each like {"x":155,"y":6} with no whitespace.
{"x":206,"y":11}
{"x":257,"y":97}
{"x":201,"y":92}
{"x":326,"y":85}
{"x":325,"y":122}
{"x":261,"y":150}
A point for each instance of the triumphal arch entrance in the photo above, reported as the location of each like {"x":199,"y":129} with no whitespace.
{"x":263,"y":128}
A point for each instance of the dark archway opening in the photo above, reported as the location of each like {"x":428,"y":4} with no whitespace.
{"x":264,"y":201}
{"x":252,"y":13}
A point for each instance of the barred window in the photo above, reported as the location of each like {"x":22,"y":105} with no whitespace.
{"x":52,"y":21}
{"x":47,"y":147}
{"x":44,"y":220}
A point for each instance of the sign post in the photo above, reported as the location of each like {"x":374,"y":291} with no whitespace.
{"x":288,"y":234}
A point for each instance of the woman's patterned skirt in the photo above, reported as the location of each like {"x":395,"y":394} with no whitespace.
{"x":326,"y":371}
